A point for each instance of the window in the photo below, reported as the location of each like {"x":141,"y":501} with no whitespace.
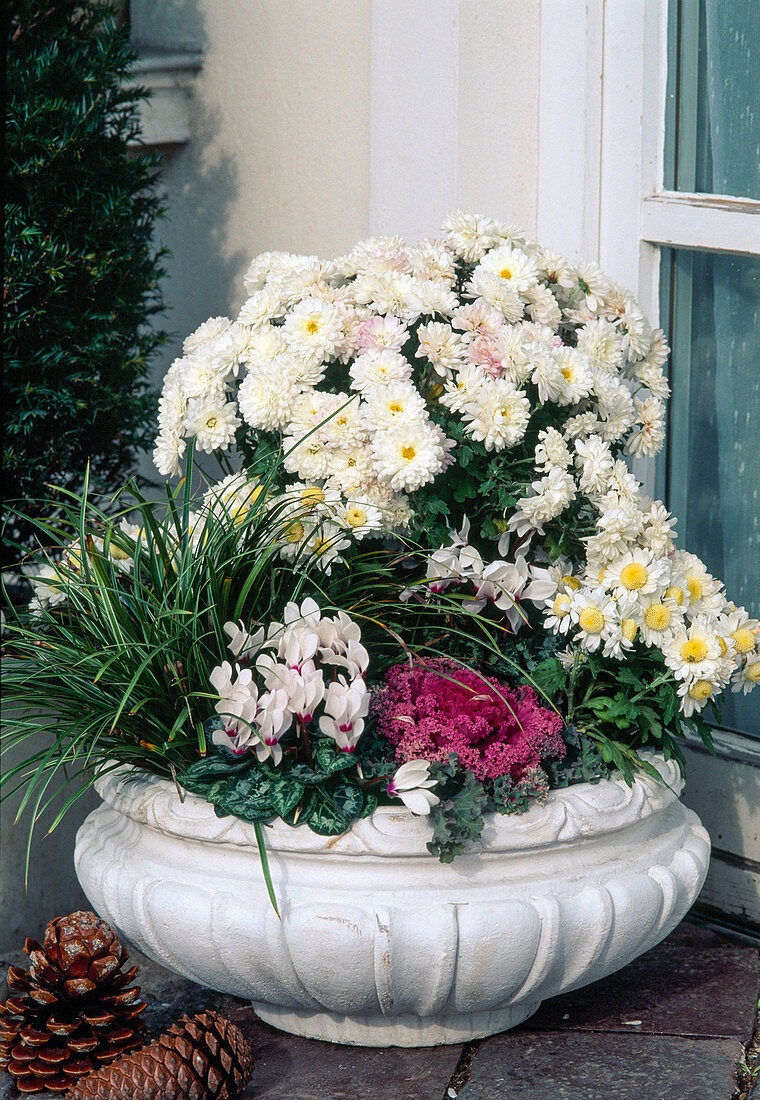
{"x":710,"y":298}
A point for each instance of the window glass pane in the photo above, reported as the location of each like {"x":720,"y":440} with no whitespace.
{"x":713,"y":451}
{"x":713,"y":107}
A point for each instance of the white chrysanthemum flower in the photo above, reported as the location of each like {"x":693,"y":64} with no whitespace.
{"x":557,"y":616}
{"x":387,"y":406}
{"x":515,"y":352}
{"x":432,"y":260}
{"x":659,"y":617}
{"x":298,"y":280}
{"x":740,"y":631}
{"x":233,"y":497}
{"x":747,"y":676}
{"x":594,"y":458}
{"x":702,"y":590}
{"x":205,"y":334}
{"x":648,"y":435}
{"x":326,"y":545}
{"x":381,"y":334}
{"x":169,"y":449}
{"x":615,"y":407}
{"x":653,"y":377}
{"x":542,"y":306}
{"x":659,"y":525}
{"x":497,"y":292}
{"x":441,"y":346}
{"x":470,"y":235}
{"x":619,"y":524}
{"x":555,"y":268}
{"x":498,"y":415}
{"x":213,"y":424}
{"x":260,"y":267}
{"x":595,"y":615}
{"x":696,"y":694}
{"x":307,"y":455}
{"x":376,"y":255}
{"x":258,"y":310}
{"x":344,"y":428}
{"x":548,"y":378}
{"x":172,"y":404}
{"x":465,"y":389}
{"x":635,"y":329}
{"x":512,"y":266}
{"x":377,"y":368}
{"x":409,"y":455}
{"x":551,"y":451}
{"x":360,"y":518}
{"x":550,"y":495}
{"x":351,"y":471}
{"x":626,"y":485}
{"x":204,"y":376}
{"x":578,"y":379}
{"x":435,"y":297}
{"x":593,"y":284}
{"x":478,"y":319}
{"x":602,"y":344}
{"x":694,"y":653}
{"x":582,"y":426}
{"x":391,"y":292}
{"x":266,"y":397}
{"x":313,"y":330}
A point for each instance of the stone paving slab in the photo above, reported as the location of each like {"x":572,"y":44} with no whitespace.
{"x":695,"y":983}
{"x":581,"y":1066}
{"x":289,"y":1068}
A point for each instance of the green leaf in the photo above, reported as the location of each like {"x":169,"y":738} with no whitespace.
{"x":285,"y":793}
{"x":329,"y":757}
{"x":249,"y":797}
{"x":323,"y":816}
{"x":350,"y":800}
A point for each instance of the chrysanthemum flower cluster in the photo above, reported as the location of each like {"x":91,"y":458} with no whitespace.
{"x":436,"y":708}
{"x":398,"y":369}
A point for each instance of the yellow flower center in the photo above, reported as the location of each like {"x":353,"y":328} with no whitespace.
{"x":591,"y":620}
{"x":408,"y":452}
{"x":321,"y":546}
{"x":312,"y":327}
{"x":701,"y":690}
{"x":629,"y":628}
{"x":294,"y":532}
{"x":694,"y":586}
{"x":675,"y":593}
{"x":744,"y":640}
{"x":568,"y":373}
{"x":694,"y":650}
{"x":342,"y":421}
{"x":211,"y":423}
{"x":752,"y":672}
{"x":506,"y":273}
{"x":395,"y":407}
{"x":634,"y":575}
{"x":560,"y":606}
{"x":571,"y":582}
{"x":312,"y":496}
{"x":355,"y":517}
{"x":657,"y":616}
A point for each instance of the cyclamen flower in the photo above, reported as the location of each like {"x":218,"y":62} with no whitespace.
{"x":411,"y":784}
{"x":346,"y":707}
{"x":431,"y":710}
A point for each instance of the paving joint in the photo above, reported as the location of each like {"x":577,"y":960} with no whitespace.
{"x":461,"y":1074}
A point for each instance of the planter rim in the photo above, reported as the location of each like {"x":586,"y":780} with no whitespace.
{"x":579,"y":812}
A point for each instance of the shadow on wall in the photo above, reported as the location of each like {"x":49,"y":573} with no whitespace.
{"x":52,"y":889}
{"x":199,"y":181}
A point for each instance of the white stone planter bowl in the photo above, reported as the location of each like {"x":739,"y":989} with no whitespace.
{"x":380,"y":944}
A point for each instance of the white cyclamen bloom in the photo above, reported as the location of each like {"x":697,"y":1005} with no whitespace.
{"x":346,"y":707}
{"x":498,"y":415}
{"x":409,"y":455}
{"x":242,"y":644}
{"x":412,"y":784}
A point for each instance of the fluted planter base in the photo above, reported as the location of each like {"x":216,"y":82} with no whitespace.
{"x":377,"y":943}
{"x":395,"y":1031}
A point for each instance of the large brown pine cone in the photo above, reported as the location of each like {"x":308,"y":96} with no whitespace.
{"x":204,"y":1057}
{"x":72,"y":1010}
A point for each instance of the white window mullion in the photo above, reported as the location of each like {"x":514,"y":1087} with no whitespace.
{"x":709,"y":222}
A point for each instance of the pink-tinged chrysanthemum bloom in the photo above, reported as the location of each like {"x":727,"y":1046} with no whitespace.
{"x":430,"y":710}
{"x":484,"y":352}
{"x":382,"y":333}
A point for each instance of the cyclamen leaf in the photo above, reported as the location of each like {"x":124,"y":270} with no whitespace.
{"x":249,"y":797}
{"x":285,"y":794}
{"x":330,"y":759}
{"x":323,"y":816}
{"x":349,"y":798}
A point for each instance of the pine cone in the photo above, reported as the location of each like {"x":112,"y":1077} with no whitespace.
{"x":203,"y":1057}
{"x":75,"y":1008}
